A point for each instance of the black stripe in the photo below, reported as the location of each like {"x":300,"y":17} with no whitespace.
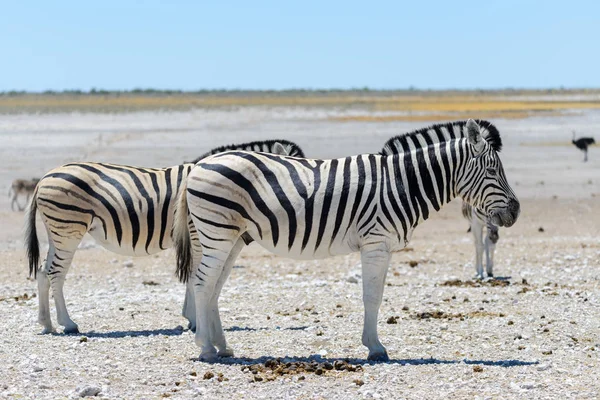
{"x":373,"y":184}
{"x":392,"y":198}
{"x":402,"y":193}
{"x":426,"y":182}
{"x":165,"y":209}
{"x":309,"y":205}
{"x":216,"y":224}
{"x":360,"y":166}
{"x":327,"y":201}
{"x":341,"y":209}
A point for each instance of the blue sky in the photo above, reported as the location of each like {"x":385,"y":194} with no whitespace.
{"x":306,"y":44}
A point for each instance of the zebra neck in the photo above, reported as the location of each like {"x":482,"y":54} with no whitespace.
{"x":423,"y":180}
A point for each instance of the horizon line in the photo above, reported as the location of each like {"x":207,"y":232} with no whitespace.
{"x":411,"y":89}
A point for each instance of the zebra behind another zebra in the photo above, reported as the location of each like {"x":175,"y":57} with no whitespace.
{"x":477,"y":220}
{"x":128,"y":210}
{"x":308,"y":209}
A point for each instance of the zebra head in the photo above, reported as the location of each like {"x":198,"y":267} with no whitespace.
{"x":484,"y":184}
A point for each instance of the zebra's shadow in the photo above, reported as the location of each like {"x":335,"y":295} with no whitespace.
{"x":123,"y":334}
{"x":246,"y":361}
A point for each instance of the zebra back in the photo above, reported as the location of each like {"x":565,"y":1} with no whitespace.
{"x":264,"y":146}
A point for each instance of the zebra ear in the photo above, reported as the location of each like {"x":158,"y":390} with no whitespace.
{"x":474,"y":136}
{"x":278,"y":148}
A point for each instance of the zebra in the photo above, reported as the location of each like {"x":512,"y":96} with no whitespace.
{"x":477,"y":220}
{"x":128,"y":210}
{"x":21,"y":187}
{"x":309,"y":209}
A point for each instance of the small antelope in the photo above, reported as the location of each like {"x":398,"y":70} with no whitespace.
{"x":21,"y":187}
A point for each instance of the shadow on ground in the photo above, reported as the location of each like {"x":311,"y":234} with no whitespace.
{"x":361,"y":361}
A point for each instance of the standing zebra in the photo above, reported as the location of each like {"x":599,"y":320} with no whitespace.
{"x":128,"y":210}
{"x":308,"y":209}
{"x":477,"y":219}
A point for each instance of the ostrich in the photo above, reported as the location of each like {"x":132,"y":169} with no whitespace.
{"x":582,"y":144}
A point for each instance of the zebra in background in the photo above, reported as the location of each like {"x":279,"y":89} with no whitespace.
{"x":477,"y":220}
{"x":309,"y":209}
{"x":20,"y":187}
{"x":128,"y":210}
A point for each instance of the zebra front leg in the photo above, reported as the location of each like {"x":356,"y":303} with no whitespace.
{"x":375,"y":261}
{"x":477,"y":230}
{"x":490,"y":247}
{"x":218,"y":336}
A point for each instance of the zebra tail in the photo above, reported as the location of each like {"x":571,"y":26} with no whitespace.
{"x":181,"y":237}
{"x":31,"y":239}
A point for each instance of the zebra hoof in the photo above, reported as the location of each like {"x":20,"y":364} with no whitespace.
{"x":209,"y":357}
{"x":227,"y":352}
{"x":48,"y":331}
{"x":71,"y":330}
{"x":379,"y":357}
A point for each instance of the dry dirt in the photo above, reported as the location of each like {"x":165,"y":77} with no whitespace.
{"x":295,"y":326}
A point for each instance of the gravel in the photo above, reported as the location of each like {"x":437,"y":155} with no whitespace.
{"x":305,"y":318}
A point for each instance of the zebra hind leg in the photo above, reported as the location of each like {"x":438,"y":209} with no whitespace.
{"x":189,"y":305}
{"x":375,"y":261}
{"x":204,"y":279}
{"x":57,"y":268}
{"x":218,"y":336}
{"x":43,"y":283}
{"x":477,"y":230}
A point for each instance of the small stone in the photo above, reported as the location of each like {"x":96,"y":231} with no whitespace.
{"x":405,"y":308}
{"x":83,"y":339}
{"x":209,"y":375}
{"x":128,"y":264}
{"x":358,"y":382}
{"x":477,"y":368}
{"x":541,"y":229}
{"x":514,"y":386}
{"x":543,"y":367}
{"x":511,"y":323}
{"x":444,"y":327}
{"x":351,"y":279}
{"x":528,"y":385}
{"x":89,"y":391}
{"x":38,"y":369}
{"x":392,"y":320}
{"x":413,"y":263}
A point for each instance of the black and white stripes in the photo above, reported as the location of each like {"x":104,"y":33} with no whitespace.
{"x":306,"y":209}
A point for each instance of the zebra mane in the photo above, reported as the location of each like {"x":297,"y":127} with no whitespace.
{"x":257,"y":145}
{"x":443,"y":132}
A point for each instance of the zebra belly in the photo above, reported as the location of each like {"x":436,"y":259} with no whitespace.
{"x":339,"y":247}
{"x":126,"y":247}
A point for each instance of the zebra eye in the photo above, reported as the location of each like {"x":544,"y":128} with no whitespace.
{"x":491,"y":171}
